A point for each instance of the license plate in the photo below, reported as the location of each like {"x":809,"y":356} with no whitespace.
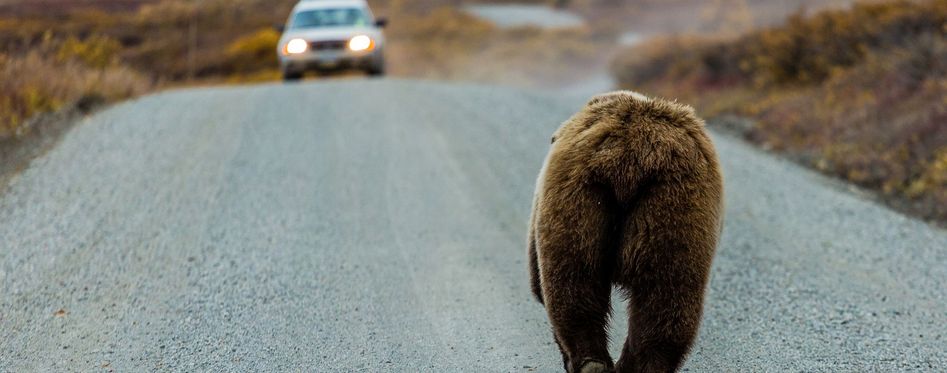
{"x":329,"y":63}
{"x":328,"y":60}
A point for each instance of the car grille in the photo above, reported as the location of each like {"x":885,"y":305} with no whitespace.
{"x":328,"y":45}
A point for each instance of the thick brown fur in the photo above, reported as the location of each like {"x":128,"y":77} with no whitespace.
{"x":630,"y":195}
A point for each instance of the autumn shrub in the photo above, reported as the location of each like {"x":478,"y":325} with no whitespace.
{"x":97,"y":51}
{"x":858,"y":93}
{"x":254,"y":52}
{"x":40,"y":82}
{"x":802,"y":51}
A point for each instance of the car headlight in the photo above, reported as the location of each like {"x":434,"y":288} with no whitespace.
{"x":361,"y":43}
{"x":296,"y":46}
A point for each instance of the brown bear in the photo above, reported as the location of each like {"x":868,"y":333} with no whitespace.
{"x":630,"y":194}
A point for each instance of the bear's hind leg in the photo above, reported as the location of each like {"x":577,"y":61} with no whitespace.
{"x":666,"y":250}
{"x":664,"y":311}
{"x":579,"y":319}
{"x":653,"y":349}
{"x":576,"y":266}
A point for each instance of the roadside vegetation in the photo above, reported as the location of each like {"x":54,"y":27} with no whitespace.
{"x":58,"y":53}
{"x":860,"y":93}
{"x":59,"y":74}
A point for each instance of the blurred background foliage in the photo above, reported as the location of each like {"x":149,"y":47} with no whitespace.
{"x":858,"y":93}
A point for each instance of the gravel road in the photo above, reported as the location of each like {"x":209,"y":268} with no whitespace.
{"x":376,"y":226}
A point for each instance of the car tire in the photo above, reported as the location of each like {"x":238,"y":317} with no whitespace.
{"x":291,"y":76}
{"x":376,"y":70}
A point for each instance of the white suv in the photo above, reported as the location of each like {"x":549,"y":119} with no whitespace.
{"x":328,"y":35}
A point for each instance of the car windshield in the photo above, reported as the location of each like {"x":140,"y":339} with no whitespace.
{"x":330,"y":18}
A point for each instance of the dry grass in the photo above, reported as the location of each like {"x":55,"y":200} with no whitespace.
{"x":860,"y":94}
{"x":105,"y":51}
{"x":48,"y":79}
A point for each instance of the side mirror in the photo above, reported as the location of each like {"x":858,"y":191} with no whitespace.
{"x":279,"y":28}
{"x":381,"y":22}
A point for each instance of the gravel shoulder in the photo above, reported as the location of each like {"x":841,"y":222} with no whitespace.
{"x":379,"y":225}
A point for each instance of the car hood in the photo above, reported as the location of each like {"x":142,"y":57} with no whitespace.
{"x":331,"y":33}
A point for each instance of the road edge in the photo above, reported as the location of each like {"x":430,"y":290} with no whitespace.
{"x":735,"y":127}
{"x":43,"y":133}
